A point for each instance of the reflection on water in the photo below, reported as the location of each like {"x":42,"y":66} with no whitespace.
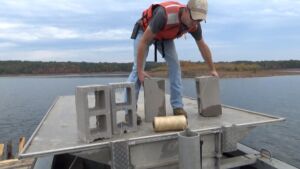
{"x":24,"y":101}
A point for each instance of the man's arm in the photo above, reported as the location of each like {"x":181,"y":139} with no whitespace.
{"x":206,"y":54}
{"x":155,"y":25}
{"x":146,"y":39}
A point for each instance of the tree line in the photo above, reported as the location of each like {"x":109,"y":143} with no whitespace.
{"x":37,"y":67}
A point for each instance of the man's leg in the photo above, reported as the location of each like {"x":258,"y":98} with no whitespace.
{"x":174,"y":74}
{"x":133,"y":77}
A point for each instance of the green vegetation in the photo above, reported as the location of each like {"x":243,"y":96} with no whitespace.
{"x":28,"y":67}
{"x":36,"y":68}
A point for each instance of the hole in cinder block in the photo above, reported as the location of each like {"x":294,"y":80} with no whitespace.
{"x":91,"y":100}
{"x":130,"y":118}
{"x":92,"y":122}
{"x":125,"y":117}
{"x":123,"y":95}
{"x":101,"y":122}
{"x":100,"y":100}
{"x":98,"y":123}
{"x":96,"y":100}
{"x":121,"y":116}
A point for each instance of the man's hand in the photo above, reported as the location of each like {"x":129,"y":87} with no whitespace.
{"x":214,"y":73}
{"x":142,"y":76}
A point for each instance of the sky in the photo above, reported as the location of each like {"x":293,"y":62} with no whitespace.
{"x":99,"y":30}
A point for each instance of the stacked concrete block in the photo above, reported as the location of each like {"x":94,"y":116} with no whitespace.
{"x":123,"y":101}
{"x":93,"y":112}
{"x":155,"y":101}
{"x":208,"y":96}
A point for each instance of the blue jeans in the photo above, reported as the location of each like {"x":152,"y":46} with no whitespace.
{"x":174,"y":71}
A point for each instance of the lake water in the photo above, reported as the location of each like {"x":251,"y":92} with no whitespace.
{"x":25,"y":100}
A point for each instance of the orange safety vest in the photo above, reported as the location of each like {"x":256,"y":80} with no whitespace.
{"x":171,"y":29}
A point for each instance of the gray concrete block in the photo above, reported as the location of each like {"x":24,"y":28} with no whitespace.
{"x":155,"y":101}
{"x":94,"y":99}
{"x":123,"y":100}
{"x":93,"y":112}
{"x":208,"y":96}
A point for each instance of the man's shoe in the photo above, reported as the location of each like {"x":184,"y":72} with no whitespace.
{"x":179,"y":111}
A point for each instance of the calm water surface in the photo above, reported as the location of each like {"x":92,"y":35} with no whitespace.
{"x":25,"y":100}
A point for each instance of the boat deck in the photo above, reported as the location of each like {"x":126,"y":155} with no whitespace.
{"x":57,"y":132}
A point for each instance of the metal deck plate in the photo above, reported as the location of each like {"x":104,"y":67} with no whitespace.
{"x":57,"y":132}
{"x":120,"y":155}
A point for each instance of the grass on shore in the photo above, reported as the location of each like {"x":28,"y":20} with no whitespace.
{"x":225,"y":70}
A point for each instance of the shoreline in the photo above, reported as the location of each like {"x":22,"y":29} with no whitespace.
{"x":118,"y":74}
{"x":242,"y":74}
{"x":164,"y":74}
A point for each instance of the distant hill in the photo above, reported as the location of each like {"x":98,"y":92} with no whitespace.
{"x":159,"y":69}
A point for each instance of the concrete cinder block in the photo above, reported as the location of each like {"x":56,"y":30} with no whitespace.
{"x":123,"y":100}
{"x":93,"y":112}
{"x":208,"y":96}
{"x":155,"y":101}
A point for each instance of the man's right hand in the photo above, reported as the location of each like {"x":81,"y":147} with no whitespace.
{"x":142,"y":76}
{"x":214,"y":73}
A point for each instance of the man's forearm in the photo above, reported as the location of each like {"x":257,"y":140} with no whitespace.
{"x":208,"y":59}
{"x":140,"y":56}
{"x":206,"y":54}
